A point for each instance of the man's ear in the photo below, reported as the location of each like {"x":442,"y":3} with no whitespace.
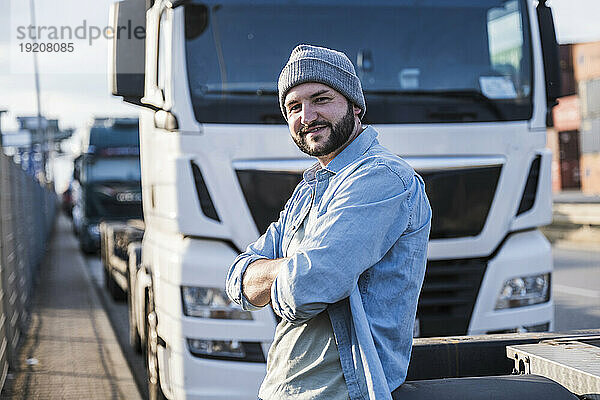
{"x":357,"y":110}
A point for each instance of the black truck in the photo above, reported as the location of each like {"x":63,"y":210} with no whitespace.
{"x":107,"y":179}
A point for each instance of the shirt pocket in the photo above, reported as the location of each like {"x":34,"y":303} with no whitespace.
{"x":295,"y":220}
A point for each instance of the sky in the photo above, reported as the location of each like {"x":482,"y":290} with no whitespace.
{"x":74,"y":86}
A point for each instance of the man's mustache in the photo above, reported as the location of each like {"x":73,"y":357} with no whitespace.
{"x":306,"y":128}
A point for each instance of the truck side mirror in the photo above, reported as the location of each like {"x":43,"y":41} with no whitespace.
{"x":550,"y":55}
{"x":126,"y":68}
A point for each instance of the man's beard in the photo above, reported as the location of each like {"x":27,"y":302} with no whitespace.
{"x":340,"y":133}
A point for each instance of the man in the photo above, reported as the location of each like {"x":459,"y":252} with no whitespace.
{"x":344,"y":264}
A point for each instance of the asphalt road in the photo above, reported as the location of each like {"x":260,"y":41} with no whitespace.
{"x":576,"y":291}
{"x":119,"y":318}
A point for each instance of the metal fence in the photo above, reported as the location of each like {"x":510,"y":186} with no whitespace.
{"x":27,"y":212}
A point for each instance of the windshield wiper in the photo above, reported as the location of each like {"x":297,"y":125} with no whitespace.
{"x":469,"y":94}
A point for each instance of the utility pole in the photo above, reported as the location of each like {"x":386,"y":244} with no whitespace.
{"x":40,"y":133}
{"x":1,"y":134}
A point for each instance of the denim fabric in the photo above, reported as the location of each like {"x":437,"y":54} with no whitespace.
{"x":363,"y":261}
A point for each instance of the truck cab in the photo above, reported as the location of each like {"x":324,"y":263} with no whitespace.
{"x":461,"y":90}
{"x":107,"y":183}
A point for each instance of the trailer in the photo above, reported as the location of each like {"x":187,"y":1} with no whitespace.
{"x":106,"y":184}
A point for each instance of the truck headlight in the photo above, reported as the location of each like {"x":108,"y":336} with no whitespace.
{"x":524,"y":291}
{"x":231,"y":350}
{"x":213,"y":303}
{"x":223,"y":348}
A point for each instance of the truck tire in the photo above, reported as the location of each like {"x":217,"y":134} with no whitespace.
{"x":134,"y":337}
{"x":113,"y":289}
{"x":152,"y":368}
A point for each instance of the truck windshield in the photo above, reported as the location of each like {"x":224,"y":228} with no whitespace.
{"x":115,"y":169}
{"x":419,"y":61}
{"x":114,"y":136}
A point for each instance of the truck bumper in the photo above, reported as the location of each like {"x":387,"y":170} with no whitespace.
{"x":183,"y":375}
{"x":205,"y":379}
{"x":523,"y":254}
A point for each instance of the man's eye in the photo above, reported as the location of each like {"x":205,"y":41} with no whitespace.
{"x":321,"y":99}
{"x":295,"y":107}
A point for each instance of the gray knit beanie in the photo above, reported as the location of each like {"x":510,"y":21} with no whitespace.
{"x":319,"y":64}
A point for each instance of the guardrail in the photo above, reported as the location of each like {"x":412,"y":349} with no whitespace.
{"x":27,"y":212}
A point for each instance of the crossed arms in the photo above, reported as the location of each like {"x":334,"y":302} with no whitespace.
{"x":258,"y":279}
{"x":359,"y":226}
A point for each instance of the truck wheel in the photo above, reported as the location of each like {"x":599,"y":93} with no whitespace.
{"x":152,"y":369}
{"x":115,"y":291}
{"x":134,"y":337}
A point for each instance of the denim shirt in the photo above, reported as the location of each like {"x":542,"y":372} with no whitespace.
{"x":363,"y":260}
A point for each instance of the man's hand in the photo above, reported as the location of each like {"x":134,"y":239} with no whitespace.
{"x":258,"y":278}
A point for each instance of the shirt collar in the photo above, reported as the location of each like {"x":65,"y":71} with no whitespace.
{"x":355,"y":149}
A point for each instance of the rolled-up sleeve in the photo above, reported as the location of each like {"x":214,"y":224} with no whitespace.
{"x":234,"y":280}
{"x":266,"y":247}
{"x":367,"y":215}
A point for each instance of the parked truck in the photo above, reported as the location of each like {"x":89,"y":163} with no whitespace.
{"x":462,"y":90}
{"x":107,"y":184}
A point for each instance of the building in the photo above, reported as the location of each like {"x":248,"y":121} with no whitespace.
{"x":575,"y":138}
{"x":31,"y":146}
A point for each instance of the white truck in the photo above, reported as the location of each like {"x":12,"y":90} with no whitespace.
{"x":460,"y":89}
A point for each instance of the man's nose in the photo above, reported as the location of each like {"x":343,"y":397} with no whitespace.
{"x":309,"y":114}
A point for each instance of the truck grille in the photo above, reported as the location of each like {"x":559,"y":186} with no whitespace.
{"x":110,"y":208}
{"x":460,"y":198}
{"x":450,"y":288}
{"x":266,"y":193}
{"x":113,"y":201}
{"x":448,"y":296}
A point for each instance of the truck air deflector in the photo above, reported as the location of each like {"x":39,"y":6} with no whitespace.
{"x":528,"y":199}
{"x":206,"y":203}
